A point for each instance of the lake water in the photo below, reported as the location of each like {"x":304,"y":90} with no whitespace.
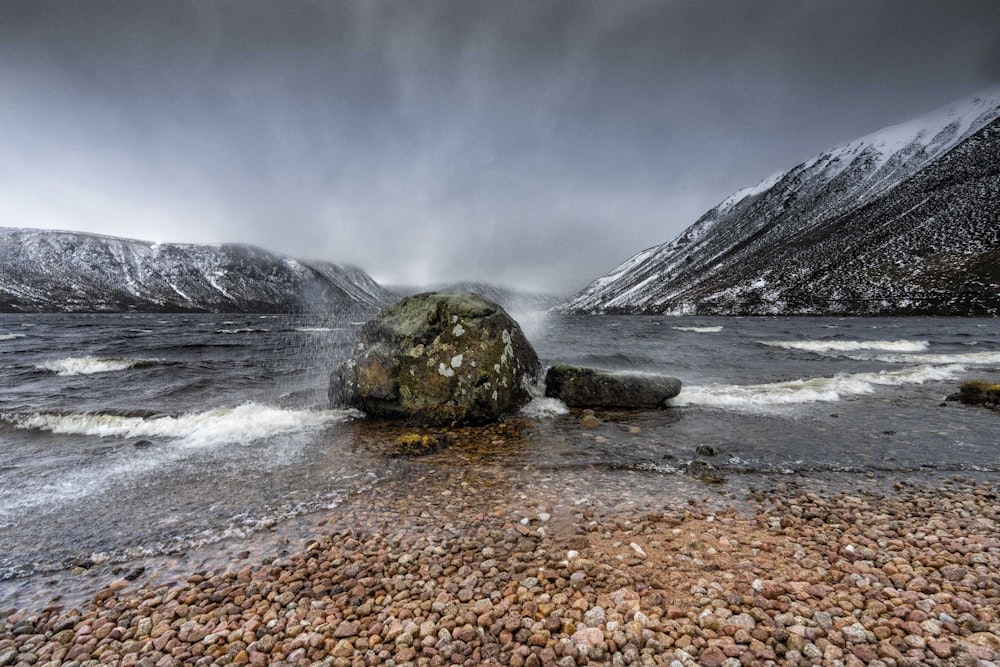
{"x":124,"y":437}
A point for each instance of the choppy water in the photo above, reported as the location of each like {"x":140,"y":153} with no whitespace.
{"x":123,"y":436}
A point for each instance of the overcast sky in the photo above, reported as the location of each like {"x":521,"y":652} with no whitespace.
{"x":532,"y":144}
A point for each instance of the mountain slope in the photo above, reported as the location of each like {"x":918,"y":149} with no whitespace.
{"x":510,"y":299}
{"x":901,"y":221}
{"x":55,"y":271}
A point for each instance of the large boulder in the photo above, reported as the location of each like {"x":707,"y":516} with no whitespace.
{"x":589,"y":387}
{"x":438,"y":359}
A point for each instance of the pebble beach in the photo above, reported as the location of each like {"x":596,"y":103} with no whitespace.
{"x":463,"y":567}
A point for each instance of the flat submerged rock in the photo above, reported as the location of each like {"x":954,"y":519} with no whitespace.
{"x":580,"y":387}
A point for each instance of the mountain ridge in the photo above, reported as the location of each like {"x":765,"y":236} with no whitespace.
{"x":61,"y":271}
{"x":510,"y":299}
{"x":735,"y":258}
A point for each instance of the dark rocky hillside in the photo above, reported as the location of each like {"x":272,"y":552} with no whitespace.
{"x":903,"y":221}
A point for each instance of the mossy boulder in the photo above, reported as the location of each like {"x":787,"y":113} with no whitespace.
{"x":978,"y":392}
{"x":438,"y":358}
{"x":580,"y":387}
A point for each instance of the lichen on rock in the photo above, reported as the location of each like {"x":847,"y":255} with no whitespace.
{"x":418,"y":444}
{"x":438,"y":358}
{"x":978,"y":392}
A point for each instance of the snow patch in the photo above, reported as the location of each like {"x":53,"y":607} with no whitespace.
{"x":754,"y":190}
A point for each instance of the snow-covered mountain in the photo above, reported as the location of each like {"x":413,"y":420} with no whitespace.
{"x":55,"y":271}
{"x":902,"y":221}
{"x":510,"y":299}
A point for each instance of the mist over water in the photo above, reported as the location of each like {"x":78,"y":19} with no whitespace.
{"x":127,"y":436}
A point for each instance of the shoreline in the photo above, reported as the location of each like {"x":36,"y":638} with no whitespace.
{"x":467,"y":568}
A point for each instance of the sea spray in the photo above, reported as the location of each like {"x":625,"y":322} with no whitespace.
{"x":244,"y":423}
{"x":698,"y":329}
{"x":91,"y":365}
{"x":540,"y":406}
{"x":969,"y":358}
{"x":243,"y":330}
{"x":827,"y":346}
{"x":810,"y":390}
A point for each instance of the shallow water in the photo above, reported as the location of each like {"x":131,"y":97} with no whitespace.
{"x":130,"y":437}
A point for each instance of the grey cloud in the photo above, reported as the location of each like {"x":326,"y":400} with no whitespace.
{"x":533,"y":144}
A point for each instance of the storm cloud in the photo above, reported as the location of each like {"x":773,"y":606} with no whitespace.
{"x":532,"y":144}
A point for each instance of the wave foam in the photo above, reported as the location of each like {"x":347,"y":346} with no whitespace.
{"x":240,"y":331}
{"x":90,"y":365}
{"x":810,"y":390}
{"x":244,"y":423}
{"x":544,"y":408}
{"x":316,"y":329}
{"x":10,"y":336}
{"x":822,"y":346}
{"x":970,"y":358}
{"x":698,"y":329}
{"x":541,"y":406}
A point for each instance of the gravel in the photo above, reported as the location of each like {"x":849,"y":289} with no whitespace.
{"x":905,"y":575}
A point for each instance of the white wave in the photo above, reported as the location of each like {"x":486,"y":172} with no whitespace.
{"x":10,"y":336}
{"x":971,"y":358}
{"x":698,"y":329}
{"x":810,"y":390}
{"x":245,"y":423}
{"x":188,"y":435}
{"x":240,"y":331}
{"x":541,"y":406}
{"x":822,"y":346}
{"x":316,"y":329}
{"x":90,"y":365}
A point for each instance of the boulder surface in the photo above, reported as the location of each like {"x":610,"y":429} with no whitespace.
{"x":580,"y":387}
{"x":437,"y":359}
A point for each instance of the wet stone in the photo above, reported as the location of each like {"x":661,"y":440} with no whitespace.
{"x":438,"y":359}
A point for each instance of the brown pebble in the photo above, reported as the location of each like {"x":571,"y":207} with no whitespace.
{"x":346,"y":629}
{"x":713,"y":656}
{"x":428,"y":578}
